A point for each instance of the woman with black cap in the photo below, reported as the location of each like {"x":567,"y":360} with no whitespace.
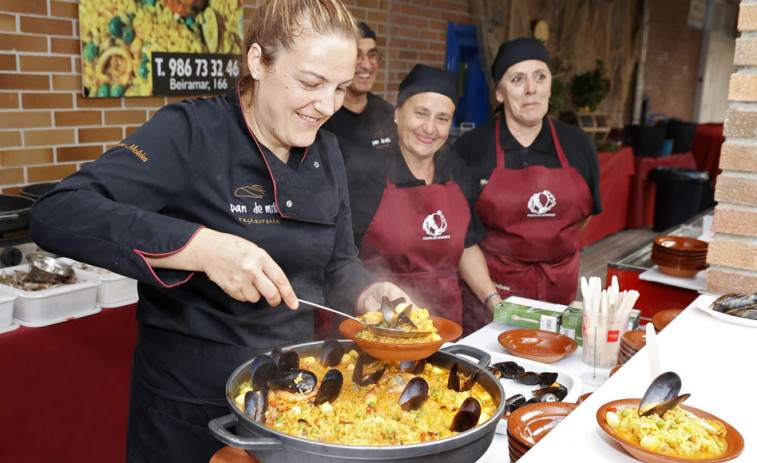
{"x":411,"y":206}
{"x":538,"y":183}
{"x":227,"y":210}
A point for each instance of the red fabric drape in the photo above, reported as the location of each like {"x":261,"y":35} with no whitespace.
{"x":65,"y":389}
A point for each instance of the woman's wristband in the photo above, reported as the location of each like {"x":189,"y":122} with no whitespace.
{"x":490,"y":297}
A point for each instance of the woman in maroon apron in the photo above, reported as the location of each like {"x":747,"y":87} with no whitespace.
{"x":538,"y":183}
{"x":411,"y":216}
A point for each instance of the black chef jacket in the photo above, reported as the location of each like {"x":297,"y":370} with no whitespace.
{"x":367,"y":181}
{"x":478,"y":148}
{"x":368,"y":132}
{"x":196,"y":164}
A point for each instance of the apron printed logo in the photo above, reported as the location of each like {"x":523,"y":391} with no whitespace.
{"x":541,"y":203}
{"x":435,"y":225}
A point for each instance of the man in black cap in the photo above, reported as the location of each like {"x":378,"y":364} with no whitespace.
{"x":538,"y":184}
{"x":365,"y":123}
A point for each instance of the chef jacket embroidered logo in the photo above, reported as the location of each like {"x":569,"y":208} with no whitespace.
{"x":434,"y":225}
{"x":258,"y":210}
{"x":541,"y":203}
{"x":249,"y":191}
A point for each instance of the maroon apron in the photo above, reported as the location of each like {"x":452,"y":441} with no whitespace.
{"x":533,"y":216}
{"x":416,"y":240}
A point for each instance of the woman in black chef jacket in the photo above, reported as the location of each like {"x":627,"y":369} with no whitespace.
{"x":223,"y":208}
{"x":538,"y":183}
{"x":410,"y":206}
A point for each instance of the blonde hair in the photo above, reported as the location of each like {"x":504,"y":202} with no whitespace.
{"x":276,"y":24}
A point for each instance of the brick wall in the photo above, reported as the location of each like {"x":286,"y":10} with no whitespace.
{"x":671,"y":71}
{"x":732,"y":253}
{"x":48,"y":129}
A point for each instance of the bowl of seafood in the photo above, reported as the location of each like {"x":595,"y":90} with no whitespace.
{"x":739,"y":309}
{"x":539,"y":345}
{"x":400,"y":331}
{"x":401,"y":349}
{"x":331,"y":402}
{"x":658,"y":428}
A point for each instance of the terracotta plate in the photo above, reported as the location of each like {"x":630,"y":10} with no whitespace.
{"x":680,"y":243}
{"x":447,"y":329}
{"x":635,"y":339}
{"x":542,"y":346}
{"x":734,"y":440}
{"x":530,"y":423}
{"x":661,"y":319}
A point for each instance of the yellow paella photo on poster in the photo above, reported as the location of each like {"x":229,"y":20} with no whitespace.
{"x":160,"y":47}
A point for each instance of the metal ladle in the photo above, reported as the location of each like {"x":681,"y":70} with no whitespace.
{"x":389,"y":332}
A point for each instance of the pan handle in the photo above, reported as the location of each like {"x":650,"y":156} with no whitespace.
{"x":219,"y":427}
{"x":483,"y":357}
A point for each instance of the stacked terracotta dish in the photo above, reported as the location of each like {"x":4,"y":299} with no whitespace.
{"x":661,"y":319}
{"x":630,"y":343}
{"x":679,"y":256}
{"x":530,"y":423}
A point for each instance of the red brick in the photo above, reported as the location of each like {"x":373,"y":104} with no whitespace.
{"x":67,"y":82}
{"x":24,"y":157}
{"x":7,"y":22}
{"x":65,"y":46}
{"x":46,"y":26}
{"x":125,"y":117}
{"x":145,"y":102}
{"x":19,"y":42}
{"x":46,"y":100}
{"x":23,"y":119}
{"x":33,"y":63}
{"x":131,"y":129}
{"x":64,"y":10}
{"x":24,"y":82}
{"x":51,"y":137}
{"x":76,"y":118}
{"x":78,"y":153}
{"x":11,"y":175}
{"x":38,"y":7}
{"x":50,"y":173}
{"x":100,"y":134}
{"x":7,"y":62}
{"x":10,"y":138}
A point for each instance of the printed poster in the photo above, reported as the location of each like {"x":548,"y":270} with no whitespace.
{"x":160,"y":47}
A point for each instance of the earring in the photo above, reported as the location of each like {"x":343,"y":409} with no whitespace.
{"x":254,"y":77}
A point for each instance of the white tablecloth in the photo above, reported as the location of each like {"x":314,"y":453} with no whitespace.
{"x":716,"y":362}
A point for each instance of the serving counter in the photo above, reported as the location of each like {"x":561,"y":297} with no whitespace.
{"x":714,"y":359}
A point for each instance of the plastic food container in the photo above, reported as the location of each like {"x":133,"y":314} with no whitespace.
{"x":57,"y":304}
{"x":7,"y":296}
{"x":114,"y":291}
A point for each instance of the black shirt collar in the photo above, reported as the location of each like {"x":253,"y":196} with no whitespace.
{"x":542,"y":143}
{"x":400,"y":175}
